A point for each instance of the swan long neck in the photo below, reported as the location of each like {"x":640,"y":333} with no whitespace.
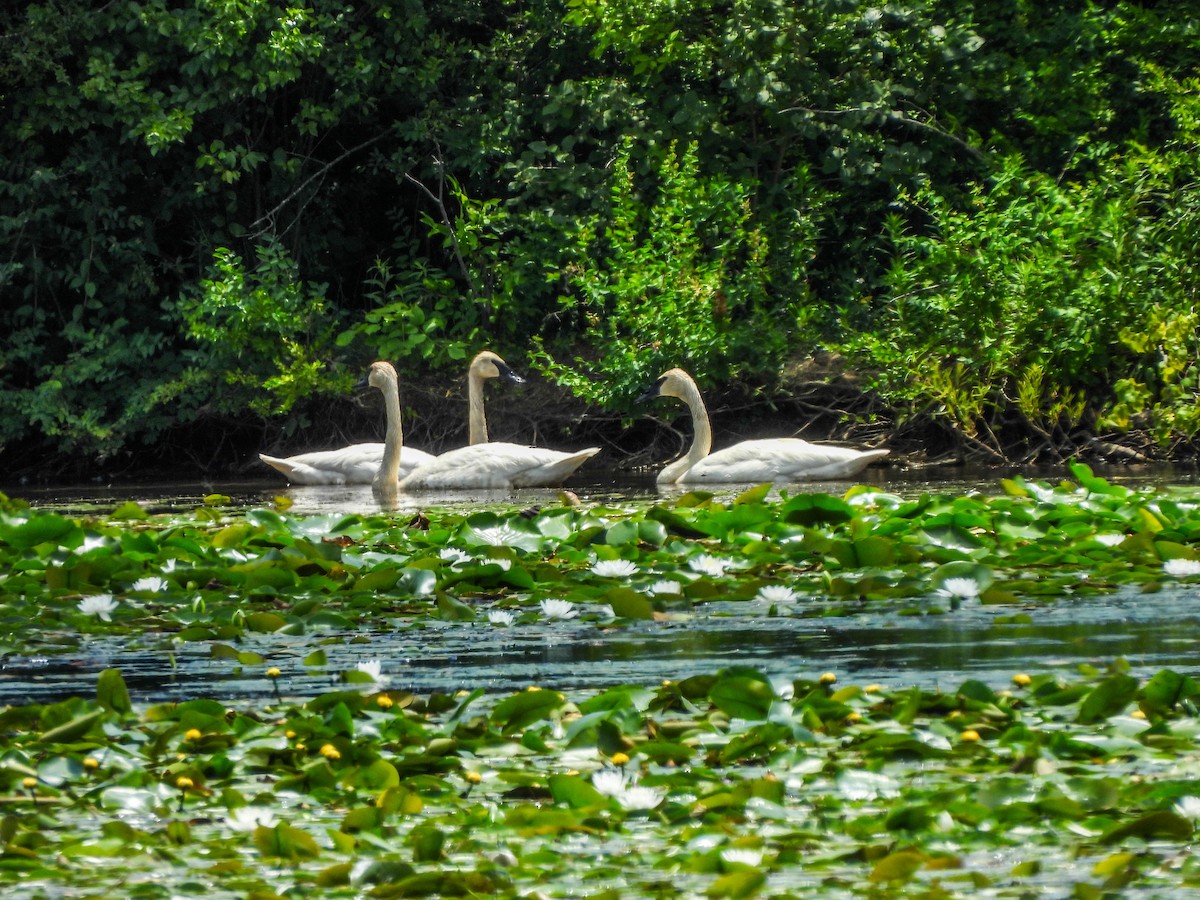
{"x":388,"y":476}
{"x":476,"y":418}
{"x":701,"y":435}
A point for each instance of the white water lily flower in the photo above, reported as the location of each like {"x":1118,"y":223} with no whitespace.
{"x":966,"y":588}
{"x":90,"y":542}
{"x":1189,"y":807}
{"x":614,"y":568}
{"x":708,"y":565}
{"x":501,"y":617}
{"x":665,"y":587}
{"x":609,"y":782}
{"x":636,"y":797}
{"x":453,"y":555}
{"x":504,"y":564}
{"x":247,"y":818}
{"x":150,"y":583}
{"x":1182,"y":568}
{"x":1109,"y":540}
{"x":374,"y":668}
{"x":605,"y":612}
{"x":101,"y":605}
{"x":496,"y":535}
{"x":748,"y":856}
{"x":776,"y":593}
{"x":559,"y":609}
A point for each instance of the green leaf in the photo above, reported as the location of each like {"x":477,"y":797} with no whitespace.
{"x":73,"y":730}
{"x":111,"y":692}
{"x":742,"y":696}
{"x":1162,"y":824}
{"x":41,"y":529}
{"x":1110,"y":696}
{"x":521,"y":710}
{"x":629,"y":604}
{"x":575,"y":791}
{"x":285,"y":842}
{"x":742,"y":883}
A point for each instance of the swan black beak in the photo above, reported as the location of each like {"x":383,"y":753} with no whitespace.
{"x":508,"y":375}
{"x":651,"y":392}
{"x":361,"y":383}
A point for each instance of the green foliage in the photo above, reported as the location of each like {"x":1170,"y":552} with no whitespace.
{"x":264,"y":336}
{"x":635,"y":184}
{"x":673,"y":274}
{"x":1029,"y":298}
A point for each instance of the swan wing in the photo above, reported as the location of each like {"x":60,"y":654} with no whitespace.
{"x":781,"y":460}
{"x":354,"y":464}
{"x":497,"y":465}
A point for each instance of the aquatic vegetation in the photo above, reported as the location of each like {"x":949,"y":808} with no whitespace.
{"x":723,"y":783}
{"x":717,"y":785}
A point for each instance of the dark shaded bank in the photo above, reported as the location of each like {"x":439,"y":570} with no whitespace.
{"x":544,"y":415}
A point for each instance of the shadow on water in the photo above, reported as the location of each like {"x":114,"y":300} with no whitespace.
{"x":1151,"y":631}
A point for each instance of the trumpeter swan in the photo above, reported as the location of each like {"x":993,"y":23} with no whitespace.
{"x":773,"y":459}
{"x":478,"y":466}
{"x":358,"y":463}
{"x":486,"y":364}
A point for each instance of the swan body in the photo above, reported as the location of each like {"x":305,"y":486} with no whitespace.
{"x":355,"y":464}
{"x":779,"y":460}
{"x":358,"y":463}
{"x":497,"y":465}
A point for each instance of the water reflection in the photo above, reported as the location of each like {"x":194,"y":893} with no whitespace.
{"x":590,"y":486}
{"x":1151,"y":631}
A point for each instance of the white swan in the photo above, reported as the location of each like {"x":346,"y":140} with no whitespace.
{"x":355,"y":464}
{"x":478,"y":466}
{"x":778,"y":460}
{"x":358,"y":463}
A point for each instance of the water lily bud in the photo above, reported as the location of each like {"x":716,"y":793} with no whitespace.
{"x":1022,"y":680}
{"x":1138,"y":714}
{"x":273,"y":672}
{"x":29,"y":783}
{"x":828,"y":678}
{"x":970,"y":735}
{"x":620,"y":759}
{"x":330,"y":752}
{"x":192,"y":734}
{"x":472,"y":777}
{"x":184,"y":783}
{"x":383,"y":701}
{"x":91,"y":762}
{"x":873,"y":689}
{"x":854,"y":717}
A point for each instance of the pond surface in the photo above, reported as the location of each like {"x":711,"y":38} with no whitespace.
{"x":880,"y":644}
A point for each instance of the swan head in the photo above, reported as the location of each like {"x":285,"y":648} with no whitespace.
{"x":672,"y":383}
{"x":381,"y":375}
{"x":488,"y":365}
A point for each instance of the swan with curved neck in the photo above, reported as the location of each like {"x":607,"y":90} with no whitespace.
{"x":494,"y":465}
{"x":358,"y":463}
{"x":778,"y":460}
{"x":486,"y":364}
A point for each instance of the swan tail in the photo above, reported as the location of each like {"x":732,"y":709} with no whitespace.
{"x":847,"y":467}
{"x":554,"y":473}
{"x":299,"y":473}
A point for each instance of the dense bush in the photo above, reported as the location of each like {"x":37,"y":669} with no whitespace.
{"x":222,"y":208}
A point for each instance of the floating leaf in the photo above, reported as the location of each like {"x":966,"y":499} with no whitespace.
{"x":111,"y":692}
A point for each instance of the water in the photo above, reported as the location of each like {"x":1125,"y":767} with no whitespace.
{"x":1151,"y":631}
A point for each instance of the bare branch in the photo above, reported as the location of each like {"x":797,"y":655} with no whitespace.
{"x":269,"y":216}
